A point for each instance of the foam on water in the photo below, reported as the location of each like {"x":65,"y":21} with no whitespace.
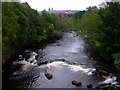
{"x":73,"y":68}
{"x":111,"y":80}
{"x":32,"y":56}
{"x":26,"y":63}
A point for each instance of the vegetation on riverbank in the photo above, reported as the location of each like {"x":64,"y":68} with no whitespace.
{"x":24,"y":26}
{"x":102,"y":30}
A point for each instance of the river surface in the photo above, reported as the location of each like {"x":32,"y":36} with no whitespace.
{"x":65,"y":59}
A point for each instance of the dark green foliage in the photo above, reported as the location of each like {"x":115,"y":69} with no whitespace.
{"x":110,"y":30}
{"x":59,"y":23}
{"x":51,"y":18}
{"x":92,"y":9}
{"x":21,"y":26}
{"x":117,"y":60}
{"x":65,"y":24}
{"x":79,"y":14}
{"x":102,"y":28}
{"x":24,"y":26}
{"x":17,"y":25}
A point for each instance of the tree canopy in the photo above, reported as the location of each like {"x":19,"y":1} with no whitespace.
{"x":102,"y":28}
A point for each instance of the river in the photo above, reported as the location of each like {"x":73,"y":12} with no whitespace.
{"x":65,"y":59}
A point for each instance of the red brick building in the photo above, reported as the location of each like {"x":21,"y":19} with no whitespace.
{"x":26,"y":5}
{"x":61,"y":15}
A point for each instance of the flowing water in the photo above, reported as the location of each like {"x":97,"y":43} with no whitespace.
{"x":65,"y":59}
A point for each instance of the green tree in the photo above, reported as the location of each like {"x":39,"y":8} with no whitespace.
{"x":92,"y":9}
{"x":20,"y":26}
{"x":79,"y":14}
{"x":110,"y":30}
{"x":117,"y":60}
{"x":103,"y":31}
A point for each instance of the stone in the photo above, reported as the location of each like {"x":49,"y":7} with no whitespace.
{"x":48,"y":76}
{"x":105,"y":86}
{"x":103,"y":72}
{"x":76,"y":83}
{"x":31,"y":61}
{"x":100,"y":72}
{"x":89,"y":86}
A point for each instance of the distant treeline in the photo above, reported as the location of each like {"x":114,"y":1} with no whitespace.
{"x":24,"y":26}
{"x":102,"y":29}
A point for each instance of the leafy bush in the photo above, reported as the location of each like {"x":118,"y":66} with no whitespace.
{"x":117,"y":60}
{"x":57,"y":34}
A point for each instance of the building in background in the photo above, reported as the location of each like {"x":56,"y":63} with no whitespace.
{"x":26,"y":5}
{"x":60,"y":13}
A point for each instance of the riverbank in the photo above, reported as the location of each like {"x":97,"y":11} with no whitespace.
{"x":9,"y":57}
{"x":95,"y":55}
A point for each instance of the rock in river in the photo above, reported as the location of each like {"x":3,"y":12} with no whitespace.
{"x":105,"y":87}
{"x":89,"y":86}
{"x":48,"y":75}
{"x":76,"y":83}
{"x":102,"y":72}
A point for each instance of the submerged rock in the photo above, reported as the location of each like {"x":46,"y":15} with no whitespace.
{"x":48,"y":76}
{"x":105,"y":86}
{"x":103,"y":72}
{"x":95,"y":72}
{"x":31,"y":61}
{"x":100,"y":72}
{"x":76,"y":83}
{"x":59,"y":60}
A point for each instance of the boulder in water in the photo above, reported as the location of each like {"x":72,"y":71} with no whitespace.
{"x":76,"y":83}
{"x":31,"y":61}
{"x":105,"y":86}
{"x":89,"y":86}
{"x":100,"y":72}
{"x":48,"y":76}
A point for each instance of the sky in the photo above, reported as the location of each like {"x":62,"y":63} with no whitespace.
{"x":62,"y":4}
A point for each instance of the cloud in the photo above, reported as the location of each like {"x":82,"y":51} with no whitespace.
{"x":62,"y":4}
